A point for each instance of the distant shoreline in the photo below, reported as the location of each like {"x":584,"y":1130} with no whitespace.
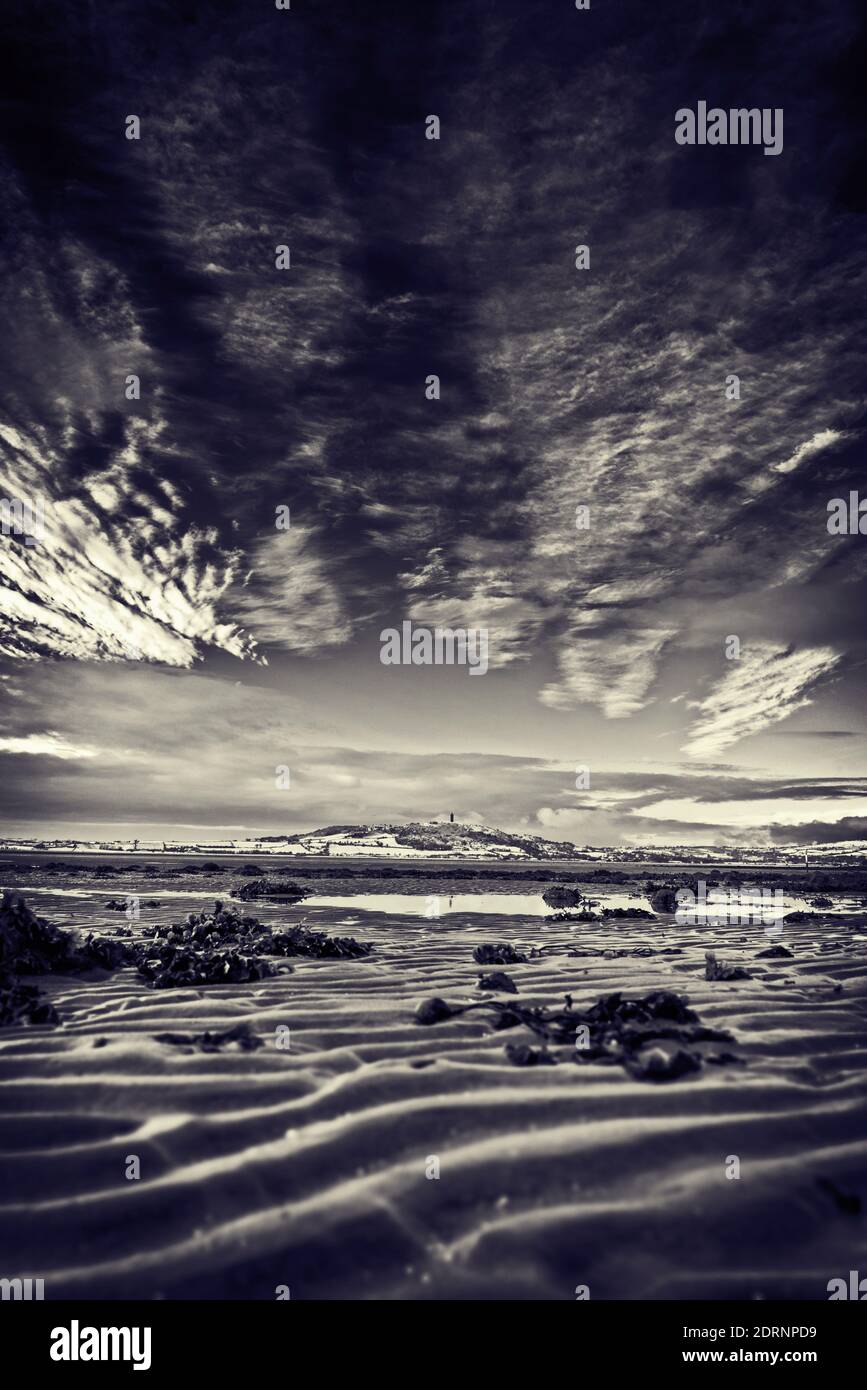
{"x":704,"y":857}
{"x":19,"y":864}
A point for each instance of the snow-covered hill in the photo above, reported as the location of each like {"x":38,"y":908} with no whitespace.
{"x":420,"y":840}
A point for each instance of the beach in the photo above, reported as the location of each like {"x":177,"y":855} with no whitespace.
{"x":362,"y":1155}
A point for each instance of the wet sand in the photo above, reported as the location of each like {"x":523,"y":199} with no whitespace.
{"x":307,"y":1166}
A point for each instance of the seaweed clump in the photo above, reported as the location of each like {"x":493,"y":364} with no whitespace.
{"x":653,"y":1038}
{"x":721,"y":969}
{"x":498,"y":953}
{"x":499,"y":982}
{"x":240,"y":1033}
{"x":301,"y":941}
{"x":225,"y":947}
{"x":585,"y":915}
{"x":219,"y":947}
{"x":31,"y":946}
{"x":24,"y":1004}
{"x":168,"y":966}
{"x":278,"y":889}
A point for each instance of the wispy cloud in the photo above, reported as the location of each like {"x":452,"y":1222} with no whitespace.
{"x":822,"y":439}
{"x":49,"y":744}
{"x":287,"y":598}
{"x":614,"y":672}
{"x":767,"y":684}
{"x":118,"y":573}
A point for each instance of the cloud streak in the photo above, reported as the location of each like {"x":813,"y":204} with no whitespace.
{"x":766,"y":685}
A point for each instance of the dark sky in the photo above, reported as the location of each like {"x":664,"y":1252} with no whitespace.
{"x":165,"y":646}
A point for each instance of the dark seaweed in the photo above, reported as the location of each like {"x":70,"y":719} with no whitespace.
{"x":31,"y":946}
{"x":269,"y":888}
{"x":24,"y":1004}
{"x":653,"y":1037}
{"x":498,"y":981}
{"x":721,"y":970}
{"x":240,"y":1033}
{"x":499,"y":953}
{"x":225,"y":946}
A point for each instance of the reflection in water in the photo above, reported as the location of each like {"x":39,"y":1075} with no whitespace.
{"x":430,"y":905}
{"x":533,"y":905}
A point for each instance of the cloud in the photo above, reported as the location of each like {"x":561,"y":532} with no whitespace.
{"x":767,"y":684}
{"x":116,"y":572}
{"x":614,"y":672}
{"x":287,"y":599}
{"x":261,"y":388}
{"x":748,"y":814}
{"x":167,"y":749}
{"x":812,"y":733}
{"x":822,"y":439}
{"x":49,"y":744}
{"x":820,"y":832}
{"x":470,"y":591}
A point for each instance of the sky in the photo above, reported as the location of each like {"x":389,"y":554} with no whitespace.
{"x":166,"y":648}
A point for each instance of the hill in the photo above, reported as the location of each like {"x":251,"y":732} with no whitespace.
{"x":422,"y":839}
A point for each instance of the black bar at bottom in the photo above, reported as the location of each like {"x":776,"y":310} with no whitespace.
{"x":57,"y":1340}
